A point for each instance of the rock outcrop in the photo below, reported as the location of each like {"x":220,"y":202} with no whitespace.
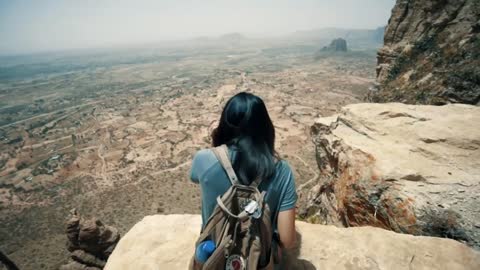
{"x":167,"y":242}
{"x":431,"y":53}
{"x":337,"y":45}
{"x":90,"y":243}
{"x":407,"y":168}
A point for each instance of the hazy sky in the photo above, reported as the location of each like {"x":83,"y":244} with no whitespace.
{"x":43,"y":25}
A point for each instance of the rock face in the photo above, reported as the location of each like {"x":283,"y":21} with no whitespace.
{"x":407,"y":168}
{"x":337,"y":45}
{"x":167,"y":242}
{"x":431,"y":53}
{"x":90,"y":243}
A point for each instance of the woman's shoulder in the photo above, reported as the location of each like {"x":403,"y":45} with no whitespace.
{"x":283,"y":168}
{"x":208,"y":154}
{"x":202,"y":161}
{"x":204,"y":156}
{"x":283,"y":164}
{"x":202,"y":153}
{"x":283,"y":176}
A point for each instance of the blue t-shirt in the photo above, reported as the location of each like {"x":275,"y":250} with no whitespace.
{"x":280,"y":190}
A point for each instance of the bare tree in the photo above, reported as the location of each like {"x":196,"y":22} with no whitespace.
{"x":7,"y":262}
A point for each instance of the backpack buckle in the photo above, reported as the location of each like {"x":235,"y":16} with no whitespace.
{"x":253,"y":209}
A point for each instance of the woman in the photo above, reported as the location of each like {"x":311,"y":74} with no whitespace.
{"x":245,"y":127}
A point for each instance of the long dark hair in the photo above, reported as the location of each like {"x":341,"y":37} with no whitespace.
{"x":246,"y":125}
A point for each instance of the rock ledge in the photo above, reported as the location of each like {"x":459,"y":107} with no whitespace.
{"x":167,"y":242}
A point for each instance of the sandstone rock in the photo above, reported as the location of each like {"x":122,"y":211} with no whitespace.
{"x":431,"y":53}
{"x":167,"y":242}
{"x":337,"y":45}
{"x":395,"y":166}
{"x":90,"y":241}
{"x":87,"y":259}
{"x":97,"y":238}
{"x":72,"y":230}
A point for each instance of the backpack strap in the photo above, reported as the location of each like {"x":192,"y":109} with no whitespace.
{"x":259,"y":197}
{"x":242,"y":216}
{"x":221,"y":152}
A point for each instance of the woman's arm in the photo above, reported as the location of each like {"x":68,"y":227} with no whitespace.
{"x":286,"y":228}
{"x":286,"y":214}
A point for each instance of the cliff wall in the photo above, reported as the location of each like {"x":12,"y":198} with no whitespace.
{"x":431,"y":53}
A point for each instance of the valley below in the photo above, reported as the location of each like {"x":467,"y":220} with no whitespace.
{"x":112,"y":134}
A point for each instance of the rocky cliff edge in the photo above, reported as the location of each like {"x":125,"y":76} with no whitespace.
{"x":407,"y":168}
{"x":167,"y":242}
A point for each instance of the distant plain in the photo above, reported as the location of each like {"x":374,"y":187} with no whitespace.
{"x":111,"y":132}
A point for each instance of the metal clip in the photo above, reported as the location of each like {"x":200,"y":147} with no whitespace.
{"x":253,"y":210}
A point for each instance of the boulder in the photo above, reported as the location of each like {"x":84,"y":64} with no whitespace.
{"x":89,"y":241}
{"x":431,"y":53}
{"x":406,"y":168}
{"x":167,"y":242}
{"x":97,"y":238}
{"x":87,"y":259}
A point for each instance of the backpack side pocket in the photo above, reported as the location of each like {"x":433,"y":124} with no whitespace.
{"x":218,"y":258}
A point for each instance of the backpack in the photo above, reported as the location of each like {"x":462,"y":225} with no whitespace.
{"x":240,"y":226}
